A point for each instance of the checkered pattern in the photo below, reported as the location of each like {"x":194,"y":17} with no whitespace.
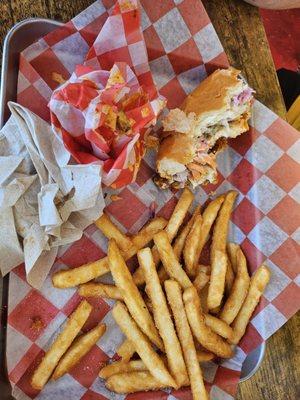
{"x":81,"y":125}
{"x":262,"y":165}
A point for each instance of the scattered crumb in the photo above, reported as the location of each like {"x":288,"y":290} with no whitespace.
{"x":145,"y":112}
{"x":37,"y":323}
{"x":115,"y":197}
{"x":56,"y":77}
{"x":152,"y":142}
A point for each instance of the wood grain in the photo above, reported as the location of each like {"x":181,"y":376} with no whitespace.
{"x":243,"y":37}
{"x":278,"y":377}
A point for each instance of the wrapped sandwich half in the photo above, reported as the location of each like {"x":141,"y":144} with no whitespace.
{"x":218,"y":109}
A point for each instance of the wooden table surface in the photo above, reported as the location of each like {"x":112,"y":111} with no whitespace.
{"x":242,"y":34}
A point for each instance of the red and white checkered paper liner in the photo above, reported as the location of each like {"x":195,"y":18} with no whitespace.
{"x":81,"y":123}
{"x":262,"y":165}
{"x":78,"y":106}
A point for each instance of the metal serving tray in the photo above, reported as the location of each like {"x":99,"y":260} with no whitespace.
{"x":18,"y":38}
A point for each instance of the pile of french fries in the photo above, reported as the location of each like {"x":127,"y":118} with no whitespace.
{"x":174,"y":312}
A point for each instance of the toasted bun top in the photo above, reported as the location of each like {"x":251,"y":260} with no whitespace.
{"x":211,"y":97}
{"x":178,"y":147}
{"x":213,"y":92}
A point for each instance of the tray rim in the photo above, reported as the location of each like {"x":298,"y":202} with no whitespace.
{"x":3,"y":85}
{"x":5,"y":55}
{"x":4,"y":281}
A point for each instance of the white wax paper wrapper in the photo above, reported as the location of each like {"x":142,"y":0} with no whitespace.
{"x":44,"y":201}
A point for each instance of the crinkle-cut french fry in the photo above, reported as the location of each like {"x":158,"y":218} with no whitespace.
{"x":218,"y":252}
{"x":205,"y":335}
{"x":79,"y":348}
{"x":208,"y":217}
{"x":87,"y":272}
{"x":175,"y":301}
{"x":218,"y":326}
{"x":238,"y":292}
{"x":100,"y":290}
{"x":182,"y":235}
{"x":111,"y":231}
{"x":60,"y":345}
{"x":229,"y":277}
{"x":202,"y":277}
{"x":131,"y":294}
{"x":126,"y":350}
{"x":169,"y":259}
{"x":231,"y":251}
{"x":132,"y":382}
{"x":162,"y":318}
{"x":190,"y":248}
{"x":258,"y":283}
{"x":171,"y":229}
{"x":142,"y":345}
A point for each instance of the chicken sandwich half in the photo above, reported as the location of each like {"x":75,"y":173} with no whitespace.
{"x":218,"y":109}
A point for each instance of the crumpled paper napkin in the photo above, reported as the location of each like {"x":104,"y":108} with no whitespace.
{"x":44,"y":201}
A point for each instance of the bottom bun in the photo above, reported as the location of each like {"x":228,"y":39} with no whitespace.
{"x":170,"y":170}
